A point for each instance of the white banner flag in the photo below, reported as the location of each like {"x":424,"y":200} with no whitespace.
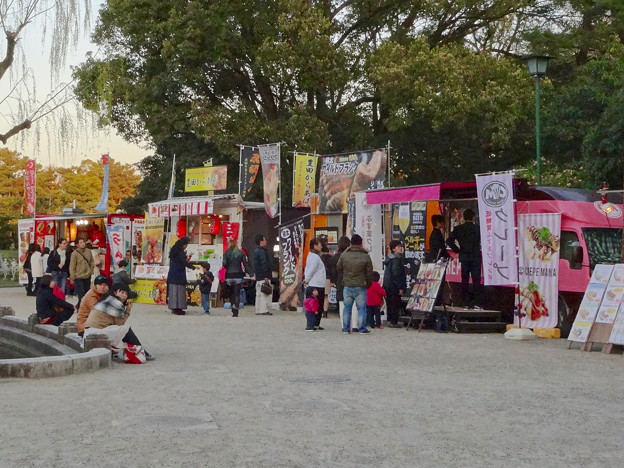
{"x":497,"y":225}
{"x":539,"y":237}
{"x":367,"y":224}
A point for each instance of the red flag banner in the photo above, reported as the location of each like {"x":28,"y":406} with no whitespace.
{"x":30,"y":180}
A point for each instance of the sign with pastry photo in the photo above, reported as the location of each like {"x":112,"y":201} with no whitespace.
{"x":344,"y":175}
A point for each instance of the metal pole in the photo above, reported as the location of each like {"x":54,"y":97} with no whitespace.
{"x":538,"y":149}
{"x":240,"y":171}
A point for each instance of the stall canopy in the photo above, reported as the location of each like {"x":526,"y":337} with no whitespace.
{"x":414,"y":193}
{"x":195,"y":206}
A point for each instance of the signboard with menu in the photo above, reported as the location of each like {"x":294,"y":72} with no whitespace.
{"x":427,"y":285}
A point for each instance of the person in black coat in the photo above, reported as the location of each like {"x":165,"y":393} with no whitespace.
{"x":466,"y":241}
{"x":394,"y":282}
{"x":50,"y":309}
{"x":263,"y":273}
{"x":176,"y":278}
{"x":437,"y":244}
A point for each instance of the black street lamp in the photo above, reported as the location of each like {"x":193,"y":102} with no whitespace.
{"x":537,"y":65}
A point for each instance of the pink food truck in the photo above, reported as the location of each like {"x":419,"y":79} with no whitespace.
{"x":591,"y":233}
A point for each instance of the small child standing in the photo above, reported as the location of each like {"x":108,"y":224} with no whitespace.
{"x":374,"y":298}
{"x":206,"y":279}
{"x":311,"y":306}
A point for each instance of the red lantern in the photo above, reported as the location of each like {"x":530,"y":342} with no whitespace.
{"x":214,"y":225}
{"x":181,"y":228}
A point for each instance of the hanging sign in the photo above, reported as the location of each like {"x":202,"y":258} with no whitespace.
{"x":304,"y":179}
{"x":30,"y":182}
{"x":368,"y":220}
{"x":270,"y":159}
{"x":250,"y":164}
{"x":199,"y":179}
{"x":497,"y":225}
{"x":291,"y":240}
{"x":103,"y":203}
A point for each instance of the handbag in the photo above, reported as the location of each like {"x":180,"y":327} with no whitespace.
{"x":266,"y":288}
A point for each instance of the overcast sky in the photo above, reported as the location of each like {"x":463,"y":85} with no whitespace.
{"x":90,"y":144}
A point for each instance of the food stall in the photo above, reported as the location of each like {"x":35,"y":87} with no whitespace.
{"x":209,"y":221}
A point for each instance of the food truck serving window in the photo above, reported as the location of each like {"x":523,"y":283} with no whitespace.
{"x":604,"y":245}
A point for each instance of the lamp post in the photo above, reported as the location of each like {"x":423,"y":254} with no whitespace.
{"x":537,"y":65}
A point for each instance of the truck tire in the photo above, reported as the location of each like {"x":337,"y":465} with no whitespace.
{"x":565,"y":321}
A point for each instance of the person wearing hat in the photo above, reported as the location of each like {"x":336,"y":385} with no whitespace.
{"x":114,"y":309}
{"x":100,"y":287}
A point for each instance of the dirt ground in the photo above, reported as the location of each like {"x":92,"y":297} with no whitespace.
{"x":258,"y":391}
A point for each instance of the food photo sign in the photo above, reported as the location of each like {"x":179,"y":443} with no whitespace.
{"x":539,"y":237}
{"x":425,"y":290}
{"x":593,"y":304}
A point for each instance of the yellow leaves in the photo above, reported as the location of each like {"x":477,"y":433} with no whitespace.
{"x":57,"y":188}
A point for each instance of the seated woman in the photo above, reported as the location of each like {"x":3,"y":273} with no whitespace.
{"x":111,"y":313}
{"x":51,"y":310}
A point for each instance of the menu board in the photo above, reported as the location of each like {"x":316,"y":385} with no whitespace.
{"x":427,"y":285}
{"x":600,"y":303}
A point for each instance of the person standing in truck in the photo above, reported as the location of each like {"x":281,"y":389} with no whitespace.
{"x":465,"y":240}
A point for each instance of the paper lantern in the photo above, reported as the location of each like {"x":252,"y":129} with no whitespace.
{"x":214,"y":225}
{"x":181,"y":228}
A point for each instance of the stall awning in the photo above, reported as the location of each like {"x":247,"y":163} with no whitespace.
{"x":428,"y":192}
{"x":192,"y":206}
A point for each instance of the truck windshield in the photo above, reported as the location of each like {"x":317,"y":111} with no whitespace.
{"x":604,"y":245}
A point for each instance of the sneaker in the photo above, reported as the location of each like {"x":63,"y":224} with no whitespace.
{"x":149,"y":357}
{"x":346,"y":332}
{"x":465,"y":308}
{"x":477,"y":308}
{"x":319,"y":328}
{"x":354,"y":330}
{"x":309,"y":329}
{"x":380,"y":327}
{"x":394,"y":325}
{"x":365,"y":332}
{"x":206,"y":312}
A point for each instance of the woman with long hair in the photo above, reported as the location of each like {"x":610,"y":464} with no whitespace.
{"x":176,"y":279}
{"x":235,"y":264}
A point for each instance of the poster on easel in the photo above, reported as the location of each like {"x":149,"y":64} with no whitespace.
{"x":426,"y":288}
{"x":592,"y":305}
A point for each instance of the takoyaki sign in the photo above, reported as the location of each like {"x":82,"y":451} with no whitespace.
{"x":539,"y":237}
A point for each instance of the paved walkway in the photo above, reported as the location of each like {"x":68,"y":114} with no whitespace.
{"x":261,"y":392}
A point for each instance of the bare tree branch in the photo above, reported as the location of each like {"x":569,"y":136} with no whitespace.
{"x":15,"y":130}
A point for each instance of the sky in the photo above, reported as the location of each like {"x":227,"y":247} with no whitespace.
{"x":45,"y":143}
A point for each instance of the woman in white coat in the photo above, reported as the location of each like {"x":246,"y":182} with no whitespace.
{"x":36,"y":266}
{"x":314,"y":278}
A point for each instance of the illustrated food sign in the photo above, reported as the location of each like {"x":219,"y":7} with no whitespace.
{"x":250,"y":165}
{"x":539,"y":237}
{"x":426,"y":287}
{"x":342,"y":176}
{"x":200,"y":179}
{"x":497,"y":225}
{"x":270,"y":160}
{"x":291,"y":249}
{"x":152,"y":248}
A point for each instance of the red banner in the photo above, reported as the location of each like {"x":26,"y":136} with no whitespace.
{"x":230,"y":231}
{"x":30,"y":179}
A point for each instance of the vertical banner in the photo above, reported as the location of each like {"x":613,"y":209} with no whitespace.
{"x":172,"y":181}
{"x":152,"y":248}
{"x":343,"y":175}
{"x":539,"y":237}
{"x":270,"y":159}
{"x":368,"y":221}
{"x":229,"y":231}
{"x":26,"y":233}
{"x":103,"y":203}
{"x":249,"y":166}
{"x":304,"y":179}
{"x":30,"y":186}
{"x":497,"y":225}
{"x":116,"y":244}
{"x":415,"y":235}
{"x":291,"y":240}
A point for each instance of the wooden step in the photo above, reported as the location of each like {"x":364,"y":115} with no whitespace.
{"x":480,"y":327}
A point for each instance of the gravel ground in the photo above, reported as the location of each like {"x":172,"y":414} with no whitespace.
{"x":261,"y":392}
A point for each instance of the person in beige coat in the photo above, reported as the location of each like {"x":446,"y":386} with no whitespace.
{"x":81,"y":269}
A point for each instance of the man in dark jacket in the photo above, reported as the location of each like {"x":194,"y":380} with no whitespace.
{"x":466,"y":241}
{"x":263,"y":274}
{"x":356,"y":268}
{"x":437,"y":245}
{"x":58,"y":264}
{"x":394,"y":282}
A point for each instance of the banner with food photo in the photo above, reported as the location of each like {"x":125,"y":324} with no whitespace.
{"x":539,"y":236}
{"x":291,"y":240}
{"x":344,"y":175}
{"x":304,"y":179}
{"x":270,"y":160}
{"x":427,"y":285}
{"x":152,"y":248}
{"x":497,"y":225}
{"x":249,"y":167}
{"x":368,"y":221}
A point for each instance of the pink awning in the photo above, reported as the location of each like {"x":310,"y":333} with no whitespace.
{"x":403,"y":194}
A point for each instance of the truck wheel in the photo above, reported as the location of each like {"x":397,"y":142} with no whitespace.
{"x":564,"y":321}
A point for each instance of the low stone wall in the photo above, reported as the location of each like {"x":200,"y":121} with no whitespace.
{"x":59,"y":349}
